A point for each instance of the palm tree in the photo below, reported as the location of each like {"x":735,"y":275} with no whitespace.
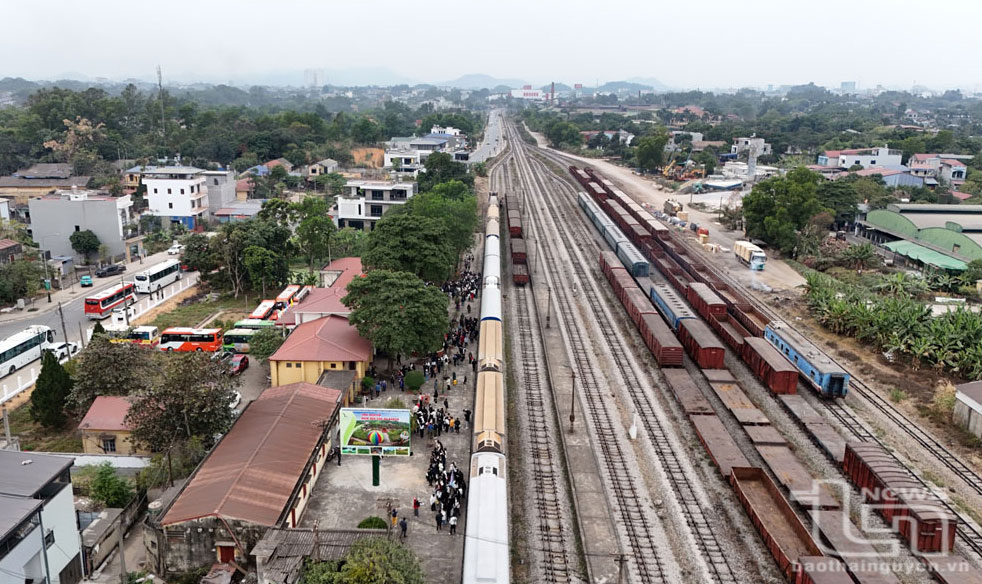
{"x":860,"y":257}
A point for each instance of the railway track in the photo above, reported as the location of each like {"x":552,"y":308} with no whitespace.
{"x":553,"y":539}
{"x":692,"y":503}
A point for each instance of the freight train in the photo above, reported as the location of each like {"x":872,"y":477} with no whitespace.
{"x":486,"y":554}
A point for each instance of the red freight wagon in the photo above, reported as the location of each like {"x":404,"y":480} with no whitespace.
{"x":821,"y":570}
{"x":609,"y":262}
{"x":770,"y":366}
{"x":638,"y":235}
{"x":752,"y":319}
{"x":514,"y":224}
{"x":660,"y":340}
{"x":729,"y":296}
{"x":704,"y":300}
{"x":518,"y":253}
{"x":693,"y":402}
{"x":732,"y":332}
{"x":613,"y":208}
{"x":520,"y":274}
{"x":637,"y":303}
{"x":701,"y":344}
{"x":598,"y":194}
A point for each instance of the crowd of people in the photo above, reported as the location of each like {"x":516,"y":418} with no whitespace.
{"x":449,"y":489}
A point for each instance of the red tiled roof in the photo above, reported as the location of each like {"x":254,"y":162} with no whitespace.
{"x":321,"y":301}
{"x":330,"y":338}
{"x":5,"y":243}
{"x":107,"y":412}
{"x":923,"y":156}
{"x":952,"y":162}
{"x":350,"y":268}
{"x":252,"y":472}
{"x":243,"y":184}
{"x":960,"y":195}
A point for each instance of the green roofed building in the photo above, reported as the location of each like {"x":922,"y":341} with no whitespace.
{"x":942,"y":236}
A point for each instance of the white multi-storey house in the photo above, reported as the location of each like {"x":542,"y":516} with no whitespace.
{"x":178,"y":194}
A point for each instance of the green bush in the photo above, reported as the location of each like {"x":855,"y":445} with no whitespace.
{"x":367,"y":383}
{"x":373,"y":522}
{"x":415,"y":380}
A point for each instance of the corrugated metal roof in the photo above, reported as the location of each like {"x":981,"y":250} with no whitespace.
{"x":252,"y":472}
{"x":284,"y":550}
{"x":923,"y":254}
{"x":107,"y":412}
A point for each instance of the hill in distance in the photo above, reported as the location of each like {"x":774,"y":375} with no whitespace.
{"x":482,"y":81}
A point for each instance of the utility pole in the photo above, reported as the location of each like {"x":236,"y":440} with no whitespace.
{"x":61,"y":315}
{"x":122,"y":556}
{"x":572,"y":402}
{"x":160,"y":96}
{"x":621,"y":560}
{"x":81,"y":335}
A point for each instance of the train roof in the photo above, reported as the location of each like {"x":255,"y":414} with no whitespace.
{"x":805,"y":348}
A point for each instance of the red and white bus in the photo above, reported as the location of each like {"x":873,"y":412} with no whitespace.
{"x":265,"y":311}
{"x":190,"y":339}
{"x":102,"y":304}
{"x":287,"y":296}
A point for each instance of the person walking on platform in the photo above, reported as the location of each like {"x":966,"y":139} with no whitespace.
{"x":453,"y":525}
{"x":404,"y":525}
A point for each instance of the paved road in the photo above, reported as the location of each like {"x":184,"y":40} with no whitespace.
{"x":72,"y":301}
{"x":494,"y":139}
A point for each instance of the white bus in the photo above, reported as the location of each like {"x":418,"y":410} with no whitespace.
{"x":18,"y":350}
{"x":160,"y":276}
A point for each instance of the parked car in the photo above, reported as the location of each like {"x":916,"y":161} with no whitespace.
{"x":236,"y":400}
{"x":223,"y":357}
{"x":64,"y":350}
{"x":238,"y":364}
{"x":175,"y":249}
{"x":110,"y":270}
{"x":85,"y":281}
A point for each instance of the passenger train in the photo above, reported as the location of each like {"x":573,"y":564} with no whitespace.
{"x":486,"y":553}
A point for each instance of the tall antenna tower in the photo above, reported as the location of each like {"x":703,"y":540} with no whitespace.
{"x":160,"y":96}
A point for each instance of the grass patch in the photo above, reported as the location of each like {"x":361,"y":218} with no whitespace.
{"x":194,"y":310}
{"x":36,"y":437}
{"x":897,"y":395}
{"x":373,"y":522}
{"x":933,"y":478}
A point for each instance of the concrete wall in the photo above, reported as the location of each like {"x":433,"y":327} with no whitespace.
{"x":287,"y":372}
{"x":54,"y":220}
{"x":221,"y":189}
{"x":92,"y":442}
{"x":968,"y":418}
{"x":190,"y":545}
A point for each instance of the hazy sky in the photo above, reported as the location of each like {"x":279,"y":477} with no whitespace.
{"x":685,"y":44}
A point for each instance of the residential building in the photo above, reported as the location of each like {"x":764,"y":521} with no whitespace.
{"x":324,"y":301}
{"x":282,"y":553}
{"x":266,"y":167}
{"x":405,"y":160}
{"x":104,"y":428}
{"x":55,"y":217}
{"x":363,"y":202}
{"x":260,"y":475}
{"x":4,"y":209}
{"x":317,"y":346}
{"x":177,"y":194}
{"x":866,"y":157}
{"x":244,"y":188}
{"x":10,"y":250}
{"x":892,"y":177}
{"x":745,"y":144}
{"x":40,"y":179}
{"x":239,"y":210}
{"x":220,"y":186}
{"x":321,"y":167}
{"x":39,"y":539}
{"x":448,"y":130}
{"x":968,"y":407}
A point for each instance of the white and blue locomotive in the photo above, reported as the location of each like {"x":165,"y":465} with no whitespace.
{"x":823,"y":373}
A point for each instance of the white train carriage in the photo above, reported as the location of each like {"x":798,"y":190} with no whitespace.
{"x":486,"y":558}
{"x":492,"y":229}
{"x":490,"y":352}
{"x":491,"y":301}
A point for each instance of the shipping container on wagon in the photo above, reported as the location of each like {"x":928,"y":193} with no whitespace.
{"x":770,"y":366}
{"x":659,"y":339}
{"x":514,"y":224}
{"x":752,"y":319}
{"x":701,"y":344}
{"x":520,"y":274}
{"x":704,"y":300}
{"x":519,"y":254}
{"x":720,"y":446}
{"x":785,"y":536}
{"x":900,"y":498}
{"x":731,"y":331}
{"x":632,"y":259}
{"x":687,"y":393}
{"x":821,"y":570}
{"x":670,"y":305}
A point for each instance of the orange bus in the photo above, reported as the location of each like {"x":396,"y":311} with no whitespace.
{"x":102,"y":304}
{"x":265,"y":311}
{"x":287,"y":296}
{"x":190,"y":339}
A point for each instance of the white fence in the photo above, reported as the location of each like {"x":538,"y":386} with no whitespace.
{"x":25,"y":378}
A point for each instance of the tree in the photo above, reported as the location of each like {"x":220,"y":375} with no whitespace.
{"x":85,"y":242}
{"x":107,"y":368}
{"x":398,"y":312}
{"x":198,"y":253}
{"x":264,"y":343}
{"x":260,"y":263}
{"x":779,"y":207}
{"x":108,"y":488}
{"x":20,"y":279}
{"x":50,"y":393}
{"x":564,"y":134}
{"x":441,"y":168}
{"x":410,"y":243}
{"x":379,"y":560}
{"x":458,"y":215}
{"x":333,"y":183}
{"x":415,"y":380}
{"x":841,"y":197}
{"x":860,"y":257}
{"x":349,"y":242}
{"x":315,"y":230}
{"x":650,"y":151}
{"x":189,"y":397}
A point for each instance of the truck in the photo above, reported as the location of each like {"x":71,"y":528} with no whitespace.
{"x":750,"y":254}
{"x":672,"y":207}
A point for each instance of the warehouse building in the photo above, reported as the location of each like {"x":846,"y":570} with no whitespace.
{"x":940,"y":236}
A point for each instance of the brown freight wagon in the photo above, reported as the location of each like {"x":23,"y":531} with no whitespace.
{"x":704,"y":300}
{"x":622,"y":282}
{"x":952,"y":569}
{"x":514,"y":224}
{"x":518,"y":252}
{"x":752,"y":319}
{"x":732,"y":332}
{"x":842,"y":536}
{"x":659,"y":339}
{"x":783,"y":533}
{"x":730,"y":296}
{"x":770,"y":366}
{"x":720,"y":446}
{"x":609,"y":261}
{"x":598,"y":194}
{"x":701,"y":344}
{"x":689,"y":396}
{"x":520,"y":274}
{"x":637,"y":304}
